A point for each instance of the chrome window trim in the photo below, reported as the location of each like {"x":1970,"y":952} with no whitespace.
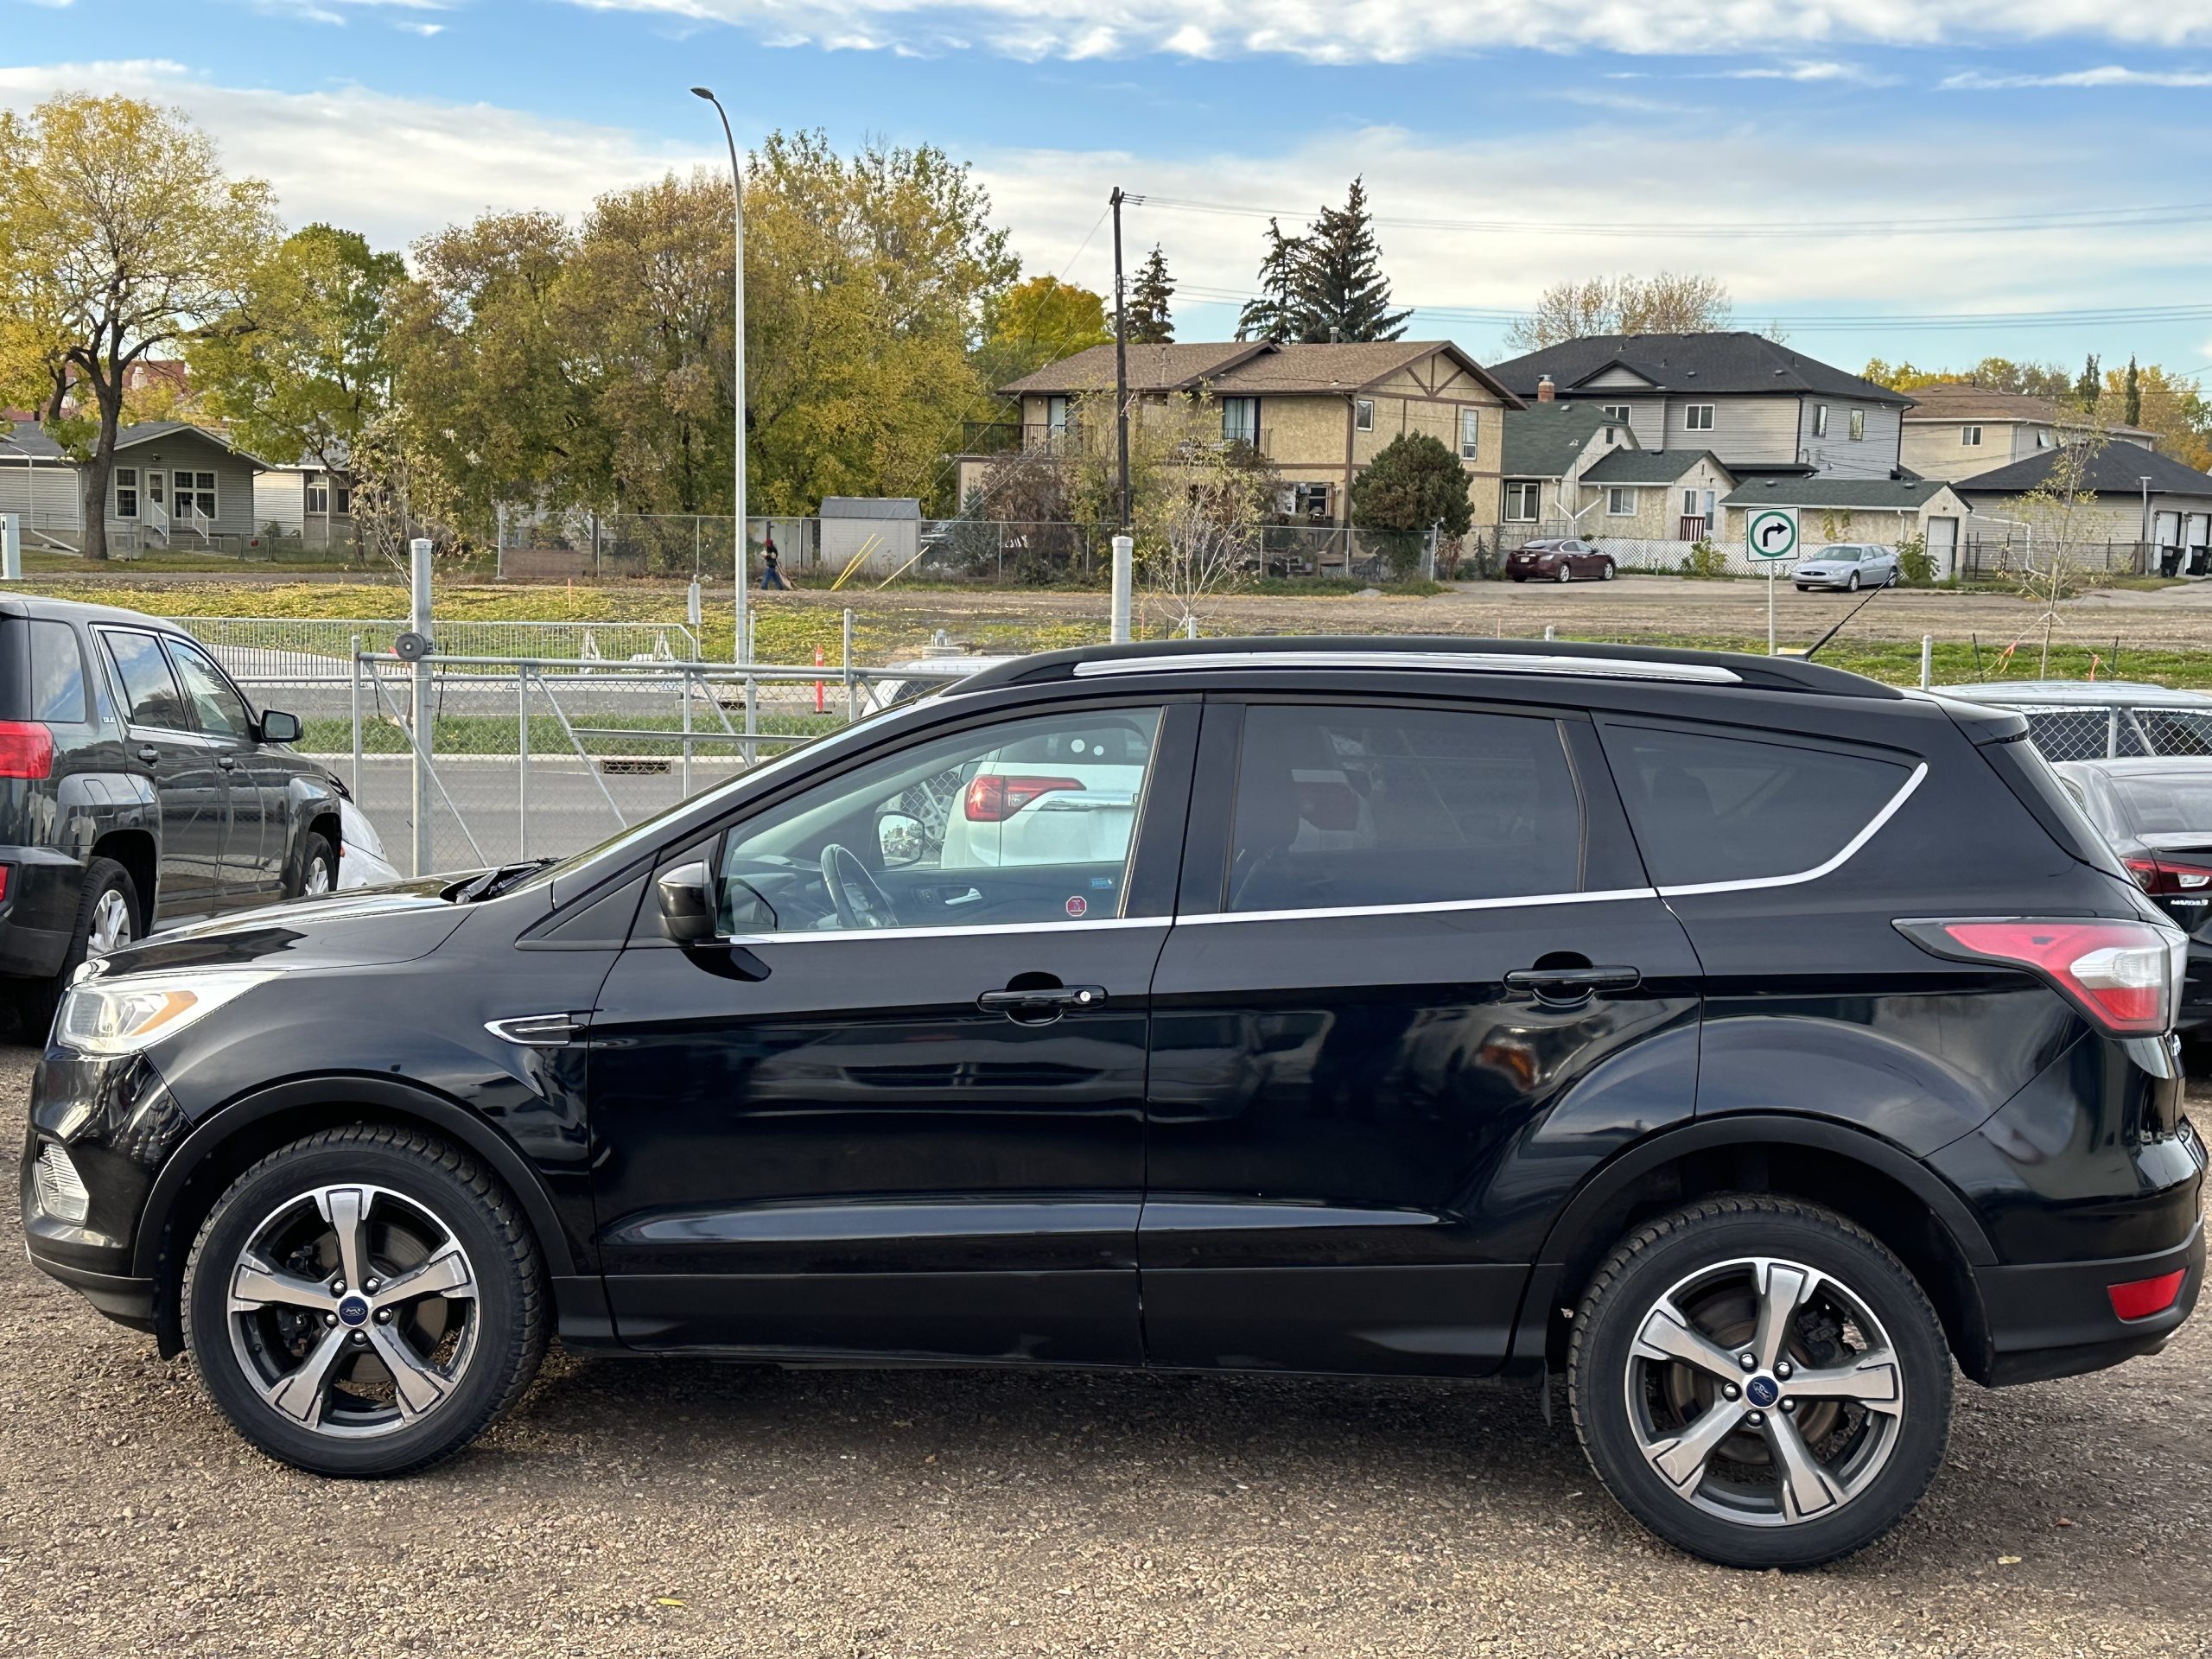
{"x":1430,"y":908}
{"x":1602,"y":668}
{"x":971,"y":931}
{"x":1850,"y":848}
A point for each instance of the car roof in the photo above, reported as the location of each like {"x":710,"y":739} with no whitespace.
{"x":951,"y":668}
{"x":71,"y":610}
{"x":2076,"y":693}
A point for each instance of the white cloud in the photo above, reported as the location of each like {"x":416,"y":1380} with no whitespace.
{"x":1814,"y":70}
{"x":1359,"y":31}
{"x":2110,"y":74}
{"x":426,"y":30}
{"x":392,"y":168}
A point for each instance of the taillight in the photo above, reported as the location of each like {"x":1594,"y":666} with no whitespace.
{"x":2139,"y":1298}
{"x":996,"y":797}
{"x":2161,"y":877}
{"x":26,"y":749}
{"x":2125,"y":976}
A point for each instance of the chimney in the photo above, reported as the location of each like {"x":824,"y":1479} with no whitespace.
{"x":1545,"y":390}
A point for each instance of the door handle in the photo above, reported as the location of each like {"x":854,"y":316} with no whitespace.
{"x":148,"y":753}
{"x":1568,"y":984}
{"x":1043,"y":998}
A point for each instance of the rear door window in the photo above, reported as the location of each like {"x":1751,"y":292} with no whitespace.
{"x":1709,"y":807}
{"x":1344,"y":807}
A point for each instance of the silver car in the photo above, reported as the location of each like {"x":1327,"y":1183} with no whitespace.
{"x":1848,"y":566}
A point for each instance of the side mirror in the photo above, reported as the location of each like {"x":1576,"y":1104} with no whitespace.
{"x":686,"y":897}
{"x":901,"y":839}
{"x":277,"y":727}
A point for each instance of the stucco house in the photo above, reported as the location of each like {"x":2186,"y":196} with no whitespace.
{"x":2145,"y":509}
{"x":172,"y":485}
{"x":1961,"y":431}
{"x":1755,"y":403}
{"x":1891,"y":512}
{"x":1319,"y":413}
{"x":1547,"y":448}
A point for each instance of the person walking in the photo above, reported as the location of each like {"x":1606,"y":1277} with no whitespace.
{"x":770,"y":576}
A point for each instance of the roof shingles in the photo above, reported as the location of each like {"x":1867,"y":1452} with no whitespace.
{"x":1733,"y":363}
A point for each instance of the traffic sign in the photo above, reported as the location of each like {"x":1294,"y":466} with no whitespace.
{"x":1772,"y":532}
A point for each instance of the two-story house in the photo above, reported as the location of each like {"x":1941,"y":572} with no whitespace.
{"x":1962,"y":431}
{"x":1318,"y":413}
{"x":1756,"y":405}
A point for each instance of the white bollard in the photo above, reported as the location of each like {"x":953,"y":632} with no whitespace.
{"x":418,"y":621}
{"x":1124,"y":558}
{"x":1926,"y":660}
{"x":11,"y":547}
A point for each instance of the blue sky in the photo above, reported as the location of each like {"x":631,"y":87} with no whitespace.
{"x":1906,"y":163}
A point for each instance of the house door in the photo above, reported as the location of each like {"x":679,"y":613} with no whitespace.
{"x":1943,"y":548}
{"x":2199,"y":543}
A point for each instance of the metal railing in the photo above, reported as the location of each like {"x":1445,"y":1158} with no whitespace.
{"x":290,"y":650}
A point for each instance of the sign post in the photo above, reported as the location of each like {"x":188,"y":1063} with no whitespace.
{"x":1771,"y":535}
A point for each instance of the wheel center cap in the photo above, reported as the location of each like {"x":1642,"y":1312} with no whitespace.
{"x":354,"y":1310}
{"x":1761,"y":1391}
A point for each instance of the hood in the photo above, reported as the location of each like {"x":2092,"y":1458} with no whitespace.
{"x":386,"y":924}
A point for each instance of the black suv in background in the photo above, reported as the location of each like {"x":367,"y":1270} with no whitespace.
{"x":1745,"y":1039}
{"x":138,"y":787}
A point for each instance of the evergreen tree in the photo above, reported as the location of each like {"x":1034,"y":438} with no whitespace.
{"x":2086,"y":389}
{"x":1340,"y":291}
{"x":1149,"y":322}
{"x":2134,"y":393}
{"x":1273,"y":315}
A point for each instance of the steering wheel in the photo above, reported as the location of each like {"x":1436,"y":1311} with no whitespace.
{"x":859,"y":901}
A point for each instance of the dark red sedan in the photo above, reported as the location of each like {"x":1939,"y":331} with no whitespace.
{"x":1558,"y":558}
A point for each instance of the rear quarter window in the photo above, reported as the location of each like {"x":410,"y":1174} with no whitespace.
{"x":1709,"y":807}
{"x":45,"y":678}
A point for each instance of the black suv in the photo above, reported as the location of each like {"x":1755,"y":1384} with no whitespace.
{"x":1741,"y":1038}
{"x":138,"y":787}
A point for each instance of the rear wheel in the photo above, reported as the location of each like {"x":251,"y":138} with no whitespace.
{"x":1760,"y":1382}
{"x":1565,"y":573}
{"x":365,"y":1302}
{"x":108,"y":918}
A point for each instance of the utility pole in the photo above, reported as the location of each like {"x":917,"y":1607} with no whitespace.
{"x":742,"y":633}
{"x":1124,"y":543}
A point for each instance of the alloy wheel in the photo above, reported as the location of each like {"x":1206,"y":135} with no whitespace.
{"x":111,"y":927}
{"x":1765,"y":1392}
{"x":352,"y":1310}
{"x":317,"y":880}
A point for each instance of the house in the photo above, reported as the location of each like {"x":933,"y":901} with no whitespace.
{"x":1574,"y":469}
{"x":172,"y":485}
{"x":305,"y":501}
{"x":2145,"y":510}
{"x":1546,"y":448}
{"x":1891,"y":512}
{"x":1318,"y":413}
{"x":1958,"y":431}
{"x":1655,"y":495}
{"x":1758,"y":406}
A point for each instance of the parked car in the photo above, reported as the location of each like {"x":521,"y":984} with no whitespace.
{"x":1636,"y":1014}
{"x":2156,"y":813}
{"x":1848,"y":566}
{"x":138,"y":788}
{"x":918,"y":676}
{"x":1559,"y":558}
{"x":2083,"y":720}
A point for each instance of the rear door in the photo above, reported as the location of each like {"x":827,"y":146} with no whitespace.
{"x":1417,"y":986}
{"x":254,"y":849}
{"x":191,"y":790}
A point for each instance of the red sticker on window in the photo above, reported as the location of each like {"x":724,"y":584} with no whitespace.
{"x":1077,"y":904}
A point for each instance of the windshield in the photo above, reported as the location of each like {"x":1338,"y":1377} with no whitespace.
{"x":2166,"y":803}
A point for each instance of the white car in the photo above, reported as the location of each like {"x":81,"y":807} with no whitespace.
{"x":904,"y":681}
{"x":1848,"y":566}
{"x":1068,"y":797}
{"x":361,"y":861}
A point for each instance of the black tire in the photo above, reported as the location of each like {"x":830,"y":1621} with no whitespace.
{"x":1903,"y":1452}
{"x":315,"y":851}
{"x":510,"y":1310}
{"x":38,"y":1000}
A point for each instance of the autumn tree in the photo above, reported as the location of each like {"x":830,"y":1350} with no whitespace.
{"x":119,"y":235}
{"x":299,"y":369}
{"x":1149,"y":322}
{"x":1037,"y":322}
{"x":1991,"y":374}
{"x":1668,"y":303}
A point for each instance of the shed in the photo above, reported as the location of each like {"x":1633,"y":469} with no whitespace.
{"x":877,"y":534}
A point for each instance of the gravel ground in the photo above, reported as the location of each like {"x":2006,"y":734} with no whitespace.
{"x":673,"y":1508}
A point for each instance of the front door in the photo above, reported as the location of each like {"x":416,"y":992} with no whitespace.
{"x":896,"y":1108}
{"x":1417,"y":987}
{"x":191,"y":789}
{"x":253,"y":851}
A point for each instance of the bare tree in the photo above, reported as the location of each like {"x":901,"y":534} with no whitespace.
{"x":1668,"y":303}
{"x":2056,"y":511}
{"x":1204,"y":540}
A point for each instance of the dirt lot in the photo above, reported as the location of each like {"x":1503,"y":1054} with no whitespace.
{"x":660,"y":1508}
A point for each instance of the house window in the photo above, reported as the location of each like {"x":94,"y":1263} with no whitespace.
{"x":1240,"y":421}
{"x":1616,"y":412}
{"x":1970,"y":437}
{"x":342,"y":499}
{"x":2043,"y":440}
{"x":193,"y":490}
{"x":1858,"y":426}
{"x":1311,"y":503}
{"x":318,"y":493}
{"x":1620,"y":503}
{"x":1689,"y":504}
{"x":1612,"y":437}
{"x":1522,"y":498}
{"x":1698,"y":418}
{"x":1363,"y":414}
{"x":126,"y":492}
{"x":1470,"y":434}
{"x":1820,"y":421}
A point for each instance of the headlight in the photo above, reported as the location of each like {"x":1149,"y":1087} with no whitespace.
{"x":103,"y":1016}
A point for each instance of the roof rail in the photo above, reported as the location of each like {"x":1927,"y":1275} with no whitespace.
{"x":1447,"y":653}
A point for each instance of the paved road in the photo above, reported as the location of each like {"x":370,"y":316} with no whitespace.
{"x":674,"y":1508}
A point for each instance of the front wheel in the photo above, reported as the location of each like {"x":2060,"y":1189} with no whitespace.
{"x":318,"y":866}
{"x":1607,"y":573}
{"x":365,"y":1302}
{"x":1851,"y":583}
{"x":1760,"y":1382}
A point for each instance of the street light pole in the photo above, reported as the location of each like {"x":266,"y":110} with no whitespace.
{"x":742,"y":650}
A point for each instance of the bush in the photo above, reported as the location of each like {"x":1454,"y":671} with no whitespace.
{"x":1705,"y":560}
{"x":1916,"y":566}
